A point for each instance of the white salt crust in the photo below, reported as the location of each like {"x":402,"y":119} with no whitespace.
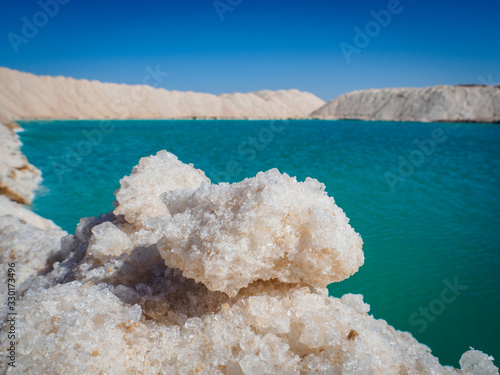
{"x":266,"y":227}
{"x":110,"y":305}
{"x":271,"y":328}
{"x":28,"y":247}
{"x":138,"y":197}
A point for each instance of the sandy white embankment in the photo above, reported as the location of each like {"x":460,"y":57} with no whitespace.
{"x":28,"y":96}
{"x":471,"y":103}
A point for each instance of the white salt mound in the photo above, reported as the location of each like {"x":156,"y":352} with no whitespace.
{"x":266,"y":227}
{"x":28,"y":247}
{"x":138,"y":197}
{"x":476,"y":103}
{"x":86,"y":329}
{"x":27,"y":96}
{"x":8,"y":207}
{"x":18,"y":178}
{"x":122,"y":296}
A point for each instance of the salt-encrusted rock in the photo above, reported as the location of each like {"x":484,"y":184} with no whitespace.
{"x":138,"y":197}
{"x":108,"y":241}
{"x":8,"y":207}
{"x":77,"y":328}
{"x":477,"y":363}
{"x":137,"y":202}
{"x":28,"y":247}
{"x":18,"y":178}
{"x":267,"y":227}
{"x":436,"y":103}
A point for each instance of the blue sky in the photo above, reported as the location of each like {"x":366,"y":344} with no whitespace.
{"x":258,"y":44}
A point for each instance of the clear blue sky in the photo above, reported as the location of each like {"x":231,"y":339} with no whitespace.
{"x":259,"y":45}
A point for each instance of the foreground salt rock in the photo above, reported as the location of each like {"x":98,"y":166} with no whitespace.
{"x":128,"y":312}
{"x":8,"y":207}
{"x":139,"y":195}
{"x":87,"y":329}
{"x":267,"y":227}
{"x":26,"y":245}
{"x":18,"y":178}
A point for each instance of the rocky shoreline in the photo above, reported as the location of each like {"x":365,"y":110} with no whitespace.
{"x":18,"y":178}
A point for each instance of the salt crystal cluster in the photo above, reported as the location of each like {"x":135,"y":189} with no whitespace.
{"x":225,"y":279}
{"x":138,"y":197}
{"x":86,"y":329}
{"x":29,"y":247}
{"x":267,"y":227}
{"x":138,"y":201}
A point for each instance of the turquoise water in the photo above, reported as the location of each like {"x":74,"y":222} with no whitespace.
{"x":437,"y":226}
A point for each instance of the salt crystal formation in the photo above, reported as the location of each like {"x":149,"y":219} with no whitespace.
{"x":133,"y":292}
{"x":139,"y":195}
{"x":11,"y":208}
{"x":266,"y":227}
{"x":18,"y":178}
{"x":31,"y":248}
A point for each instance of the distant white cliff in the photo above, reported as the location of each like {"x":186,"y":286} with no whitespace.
{"x":438,"y":103}
{"x":28,"y":96}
